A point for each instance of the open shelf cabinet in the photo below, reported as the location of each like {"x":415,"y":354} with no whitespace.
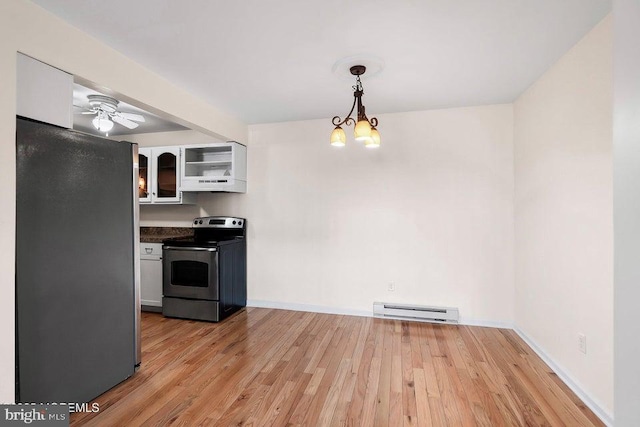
{"x":214,"y":167}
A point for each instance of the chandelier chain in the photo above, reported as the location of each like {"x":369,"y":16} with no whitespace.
{"x":358,"y":85}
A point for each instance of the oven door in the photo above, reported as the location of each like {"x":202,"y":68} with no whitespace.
{"x":190,"y":272}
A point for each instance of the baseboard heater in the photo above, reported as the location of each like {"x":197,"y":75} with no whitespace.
{"x":418,"y":313}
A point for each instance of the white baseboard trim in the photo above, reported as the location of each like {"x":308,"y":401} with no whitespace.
{"x":363,"y":313}
{"x":574,"y":385}
{"x":485,"y":323}
{"x":308,"y":307}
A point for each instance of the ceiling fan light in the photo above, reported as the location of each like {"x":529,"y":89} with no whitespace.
{"x":102,"y":124}
{"x":362,"y":131}
{"x":338,"y":137}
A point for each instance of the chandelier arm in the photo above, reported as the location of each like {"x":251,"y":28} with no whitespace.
{"x":347,"y":120}
{"x":361,"y":113}
{"x":373,"y":122}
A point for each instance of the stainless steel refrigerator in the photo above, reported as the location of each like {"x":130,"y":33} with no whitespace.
{"x":77,"y":268}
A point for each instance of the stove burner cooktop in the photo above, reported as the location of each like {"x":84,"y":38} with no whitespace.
{"x":211,"y":231}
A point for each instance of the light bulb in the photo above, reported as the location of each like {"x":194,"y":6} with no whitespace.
{"x":374,"y":141}
{"x":362,"y":131}
{"x":103,"y":124}
{"x":338,"y":137}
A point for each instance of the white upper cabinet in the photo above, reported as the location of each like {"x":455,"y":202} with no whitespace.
{"x":159,"y":176}
{"x":144,"y":175}
{"x":44,"y":93}
{"x":165,"y":165}
{"x":214,"y":167}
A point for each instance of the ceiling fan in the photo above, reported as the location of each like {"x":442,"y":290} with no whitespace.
{"x":106,"y":110}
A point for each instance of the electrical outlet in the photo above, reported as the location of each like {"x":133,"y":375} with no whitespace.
{"x":391,"y":287}
{"x":582,"y":343}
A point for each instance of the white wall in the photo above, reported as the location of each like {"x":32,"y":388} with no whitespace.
{"x":431,"y":211}
{"x":563,"y":213}
{"x":626,"y":187}
{"x":29,"y":29}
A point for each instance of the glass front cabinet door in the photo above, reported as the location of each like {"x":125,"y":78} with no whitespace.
{"x":165,"y":168}
{"x":159,"y":176}
{"x":144,"y":175}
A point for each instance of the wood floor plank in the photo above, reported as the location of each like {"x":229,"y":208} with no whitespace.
{"x":497,"y":383}
{"x":245,"y":405}
{"x":427,"y":362}
{"x":550,"y":404}
{"x":332,"y":361}
{"x":531,"y":410}
{"x":357,"y":400}
{"x":229,"y":383}
{"x":384,"y":383}
{"x":290,"y":379}
{"x":447,"y":393}
{"x":422,"y":398}
{"x":275,"y":367}
{"x":416,"y":338}
{"x":370,"y":398}
{"x":347,"y":393}
{"x":396,"y":384}
{"x":556,"y":391}
{"x":408,"y":384}
{"x":331,"y":400}
{"x":483,"y":406}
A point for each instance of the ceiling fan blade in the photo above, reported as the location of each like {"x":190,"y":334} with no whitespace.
{"x":124,"y":122}
{"x":131,"y":116}
{"x":79,"y":109}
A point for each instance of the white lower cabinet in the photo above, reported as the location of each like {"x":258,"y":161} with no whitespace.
{"x":151,"y":274}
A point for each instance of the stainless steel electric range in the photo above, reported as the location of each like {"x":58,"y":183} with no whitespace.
{"x":205,"y":276}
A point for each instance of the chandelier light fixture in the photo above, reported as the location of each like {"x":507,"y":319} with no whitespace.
{"x":365,"y":128}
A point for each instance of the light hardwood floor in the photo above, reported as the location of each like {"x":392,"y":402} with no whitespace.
{"x":274,"y":367}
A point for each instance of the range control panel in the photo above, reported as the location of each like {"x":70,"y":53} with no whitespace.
{"x":218,"y":222}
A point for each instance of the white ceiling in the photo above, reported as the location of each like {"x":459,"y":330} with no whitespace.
{"x":269,"y":61}
{"x":82,"y":122}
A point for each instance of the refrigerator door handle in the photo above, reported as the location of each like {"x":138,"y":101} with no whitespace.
{"x":136,"y":257}
{"x":190,"y":248}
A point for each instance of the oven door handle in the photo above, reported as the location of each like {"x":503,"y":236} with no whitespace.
{"x":190,"y":248}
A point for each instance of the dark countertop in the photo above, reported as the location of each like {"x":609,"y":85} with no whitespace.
{"x":158,"y":234}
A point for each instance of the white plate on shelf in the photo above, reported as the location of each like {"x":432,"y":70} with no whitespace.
{"x":215,"y":172}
